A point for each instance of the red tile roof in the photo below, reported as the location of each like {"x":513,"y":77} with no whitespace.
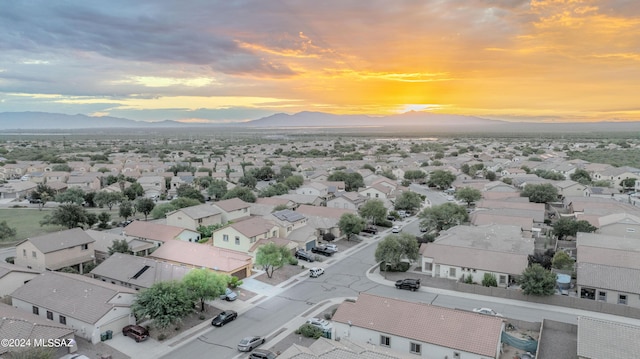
{"x":450,"y":328}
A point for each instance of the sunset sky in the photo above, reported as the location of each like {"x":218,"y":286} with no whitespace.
{"x":225,"y":61}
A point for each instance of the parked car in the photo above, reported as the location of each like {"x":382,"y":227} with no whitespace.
{"x":323,"y":250}
{"x":248,"y":343}
{"x":396,"y":229}
{"x":408,"y":283}
{"x":333,"y":247}
{"x":371,"y":230}
{"x":262,"y":354}
{"x":487,"y":311}
{"x":137,"y":332}
{"x":423,"y":229}
{"x":224,"y":318}
{"x":315,"y":272}
{"x":229,"y":295}
{"x":319,"y":323}
{"x":304,"y":255}
{"x":35,"y":200}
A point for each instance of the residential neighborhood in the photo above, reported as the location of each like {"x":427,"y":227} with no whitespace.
{"x":474,"y":218}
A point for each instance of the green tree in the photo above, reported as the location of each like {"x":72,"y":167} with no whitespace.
{"x":351,"y":224}
{"x":184,"y":202}
{"x":414,"y":175}
{"x":119,"y":246}
{"x":294,"y":181}
{"x":394,"y":249}
{"x":441,"y":179}
{"x":408,"y":201}
{"x":540,"y":193}
{"x":68,"y":215}
{"x":187,"y":191}
{"x":243,"y":193}
{"x":581,"y":176}
{"x":443,"y":216}
{"x":490,"y":175}
{"x":205,"y":284}
{"x":628,"y":184}
{"x":145,"y":206}
{"x":248,"y":181}
{"x":166,"y":303}
{"x":126,"y":209}
{"x":109,"y":199}
{"x":72,"y":195}
{"x":43,"y":193}
{"x":537,"y":281}
{"x":217,"y":189}
{"x":352,"y":181}
{"x":561,"y":260}
{"x":161,"y":210}
{"x":569,"y":227}
{"x":272,"y":257}
{"x":468,"y":194}
{"x":465,"y":168}
{"x":6,"y":231}
{"x":91,"y":219}
{"x":274,"y":190}
{"x":104,"y":218}
{"x":203,"y":182}
{"x":374,"y":210}
{"x":134,"y":191}
{"x":489,"y":280}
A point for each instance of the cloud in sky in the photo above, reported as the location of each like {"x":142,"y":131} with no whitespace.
{"x":199,"y":60}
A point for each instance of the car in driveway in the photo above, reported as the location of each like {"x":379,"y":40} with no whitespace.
{"x":323,"y":250}
{"x":408,"y":283}
{"x":487,"y":311}
{"x":396,"y":229}
{"x":262,"y":354}
{"x":229,"y":295}
{"x":370,"y":230}
{"x":137,"y":332}
{"x":224,"y":318}
{"x":319,"y":323}
{"x":333,"y":247}
{"x":304,"y":255}
{"x":248,"y":343}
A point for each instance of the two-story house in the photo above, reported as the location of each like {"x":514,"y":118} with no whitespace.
{"x":53,"y":251}
{"x":90,"y":307}
{"x":232,"y":209}
{"x":348,"y":200}
{"x":243,"y":235}
{"x":195,"y":216}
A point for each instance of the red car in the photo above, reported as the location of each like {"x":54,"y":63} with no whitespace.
{"x":137,"y":332}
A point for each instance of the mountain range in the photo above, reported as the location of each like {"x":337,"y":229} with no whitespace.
{"x":20,"y":121}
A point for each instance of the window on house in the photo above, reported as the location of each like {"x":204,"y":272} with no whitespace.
{"x":33,"y":254}
{"x":503,"y":279}
{"x":377,"y":195}
{"x":602,"y":295}
{"x":225,"y":238}
{"x":452,"y":272}
{"x":385,"y":341}
{"x":24,"y":252}
{"x":200,"y":220}
{"x":63,"y":320}
{"x":49,"y":315}
{"x":428,"y":267}
{"x":415,"y":348}
{"x":253,"y":239}
{"x":36,"y":310}
{"x":622,"y":299}
{"x":631,"y":230}
{"x":237,"y":240}
{"x":85,"y":247}
{"x":274,"y":233}
{"x":456,"y":355}
{"x":368,"y":194}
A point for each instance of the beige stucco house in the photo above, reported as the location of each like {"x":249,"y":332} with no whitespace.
{"x":13,"y":277}
{"x":242,"y":235}
{"x":53,"y":251}
{"x":195,"y":216}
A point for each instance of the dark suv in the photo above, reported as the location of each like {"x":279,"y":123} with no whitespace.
{"x":301,"y":254}
{"x":411,"y":284}
{"x":262,"y":354}
{"x":137,"y":332}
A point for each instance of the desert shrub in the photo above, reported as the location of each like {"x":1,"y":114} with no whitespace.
{"x":309,"y":331}
{"x":293,"y":261}
{"x":401,"y":267}
{"x":489,"y":280}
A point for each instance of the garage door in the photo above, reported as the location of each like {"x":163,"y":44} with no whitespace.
{"x":241,"y":274}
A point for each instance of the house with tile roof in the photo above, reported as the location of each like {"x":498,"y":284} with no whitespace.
{"x":620,"y":224}
{"x":86,"y":182}
{"x":13,"y":276}
{"x":608,"y":268}
{"x":570,"y":188}
{"x":595,"y":338}
{"x":243,"y":234}
{"x":159,"y":233}
{"x":17,"y":189}
{"x":88,"y":306}
{"x":105,"y":239}
{"x":137,"y":272}
{"x":195,"y":216}
{"x":57,"y":250}
{"x":232,"y":209}
{"x":418,"y":328}
{"x":324,"y":348}
{"x":22,"y":325}
{"x":198,"y":255}
{"x":348,"y":200}
{"x":615,"y":175}
{"x":153,"y":186}
{"x":287,"y":221}
{"x":499,"y":250}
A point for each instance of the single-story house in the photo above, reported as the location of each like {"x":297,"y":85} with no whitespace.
{"x":13,"y":277}
{"x":159,"y":233}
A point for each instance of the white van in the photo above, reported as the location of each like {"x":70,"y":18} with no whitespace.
{"x":315,"y":272}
